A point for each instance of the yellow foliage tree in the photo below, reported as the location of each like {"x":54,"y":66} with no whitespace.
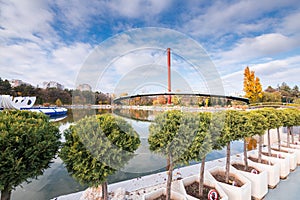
{"x":252,"y":86}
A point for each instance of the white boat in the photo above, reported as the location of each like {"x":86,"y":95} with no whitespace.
{"x":26,"y":103}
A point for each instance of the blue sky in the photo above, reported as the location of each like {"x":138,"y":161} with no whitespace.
{"x":43,"y":40}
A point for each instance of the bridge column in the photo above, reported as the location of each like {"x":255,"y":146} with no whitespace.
{"x":169,"y":75}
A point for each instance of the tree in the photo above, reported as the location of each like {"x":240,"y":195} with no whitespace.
{"x":271,"y":97}
{"x":281,"y":118}
{"x":258,"y":127}
{"x":171,"y":135}
{"x":28,"y":142}
{"x":252,"y":86}
{"x":271,"y":123}
{"x":5,"y":87}
{"x":231,"y":131}
{"x":289,"y":122}
{"x":58,"y":102}
{"x":96,"y":147}
{"x":202,"y":142}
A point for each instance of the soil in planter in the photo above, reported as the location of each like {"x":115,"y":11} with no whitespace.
{"x":220,"y":176}
{"x":273,"y":155}
{"x":284,"y":151}
{"x":162,"y":197}
{"x":242,"y":168}
{"x":262,"y":161}
{"x":193,"y":190}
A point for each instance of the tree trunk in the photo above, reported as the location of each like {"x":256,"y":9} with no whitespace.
{"x":245,"y":154}
{"x":227,"y":163}
{"x":104,"y":191}
{"x":5,"y":193}
{"x":291,"y":130}
{"x":269,"y":143}
{"x":279,"y":139}
{"x":260,"y":148}
{"x":201,"y":180}
{"x":169,"y":180}
{"x":288,"y":137}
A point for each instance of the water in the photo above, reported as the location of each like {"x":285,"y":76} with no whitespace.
{"x":56,"y":181}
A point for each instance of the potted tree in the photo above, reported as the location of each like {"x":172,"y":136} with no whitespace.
{"x":169,"y":137}
{"x":258,"y":176}
{"x":234,"y":184}
{"x":96,"y":147}
{"x":200,"y":186}
{"x":271,"y":121}
{"x":258,"y":127}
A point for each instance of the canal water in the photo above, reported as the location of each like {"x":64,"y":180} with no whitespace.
{"x":56,"y":181}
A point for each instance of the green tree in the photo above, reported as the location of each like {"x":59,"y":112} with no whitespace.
{"x":170,"y":135}
{"x":252,"y":86}
{"x":5,"y":87}
{"x":28,"y":142}
{"x":258,"y":127}
{"x":280,"y":122}
{"x":201,"y":141}
{"x":96,"y":147}
{"x":289,"y":122}
{"x":231,"y":131}
{"x":271,"y":123}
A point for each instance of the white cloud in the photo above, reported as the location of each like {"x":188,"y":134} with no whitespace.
{"x":270,"y":73}
{"x":29,"y":20}
{"x":260,"y":46}
{"x":138,"y":8}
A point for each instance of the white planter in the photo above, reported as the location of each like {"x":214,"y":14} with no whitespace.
{"x":283,"y":162}
{"x":291,"y":156}
{"x":162,"y":191}
{"x":259,"y":182}
{"x":208,"y":180}
{"x":273,"y":171}
{"x":295,"y":150}
{"x":233,"y":192}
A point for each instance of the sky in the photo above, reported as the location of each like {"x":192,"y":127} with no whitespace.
{"x":56,"y":40}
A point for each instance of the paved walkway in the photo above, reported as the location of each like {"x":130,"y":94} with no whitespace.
{"x":288,"y":189}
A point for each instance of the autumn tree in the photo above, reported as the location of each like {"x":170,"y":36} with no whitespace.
{"x":252,"y":86}
{"x":96,"y":147}
{"x":28,"y":143}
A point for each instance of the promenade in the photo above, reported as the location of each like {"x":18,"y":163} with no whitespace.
{"x":287,"y":189}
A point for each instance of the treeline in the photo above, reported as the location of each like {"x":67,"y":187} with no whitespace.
{"x":282,"y":93}
{"x":54,"y":96}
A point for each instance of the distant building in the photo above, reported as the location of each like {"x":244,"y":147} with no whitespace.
{"x":52,"y":84}
{"x":16,"y":83}
{"x":84,"y":87}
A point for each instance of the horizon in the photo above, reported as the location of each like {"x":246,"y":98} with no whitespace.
{"x":55,"y":45}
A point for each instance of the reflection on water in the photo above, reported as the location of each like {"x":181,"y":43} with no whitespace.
{"x":56,"y":181}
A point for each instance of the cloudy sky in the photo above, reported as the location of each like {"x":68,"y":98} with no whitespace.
{"x":44,"y":40}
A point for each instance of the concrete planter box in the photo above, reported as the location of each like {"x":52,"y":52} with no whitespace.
{"x":273,"y":171}
{"x":259,"y":182}
{"x":284,"y":165}
{"x":233,"y":192}
{"x":291,"y":156}
{"x":162,"y":191}
{"x":208,"y":180}
{"x":294,"y":150}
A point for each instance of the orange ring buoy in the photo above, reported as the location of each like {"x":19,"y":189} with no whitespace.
{"x":212,"y":194}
